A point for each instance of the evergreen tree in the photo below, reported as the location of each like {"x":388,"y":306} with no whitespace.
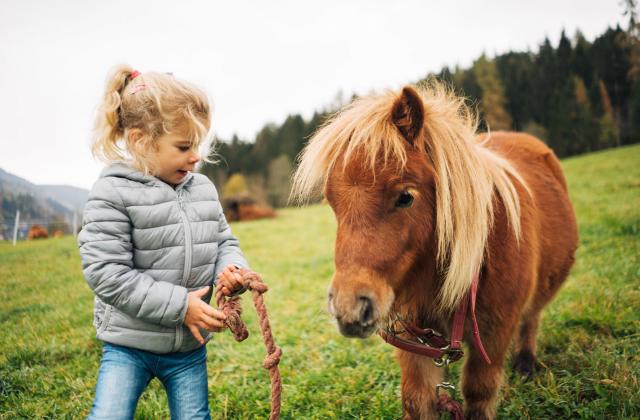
{"x":609,"y":133}
{"x":612,"y":64}
{"x":634,"y":113}
{"x":580,"y":62}
{"x":492,"y":97}
{"x":279,"y":181}
{"x":581,"y":119}
{"x":515,"y":71}
{"x":564,"y":55}
{"x":291,"y":135}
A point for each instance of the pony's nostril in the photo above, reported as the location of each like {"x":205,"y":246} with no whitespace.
{"x":366,"y":309}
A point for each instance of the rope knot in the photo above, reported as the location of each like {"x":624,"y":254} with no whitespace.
{"x":252,"y":281}
{"x":258,"y":286}
{"x":272,"y":359}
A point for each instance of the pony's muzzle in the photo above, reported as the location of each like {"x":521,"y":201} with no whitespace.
{"x":356,"y":309}
{"x":359,"y":322}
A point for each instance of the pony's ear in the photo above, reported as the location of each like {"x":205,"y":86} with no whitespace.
{"x":408,"y":114}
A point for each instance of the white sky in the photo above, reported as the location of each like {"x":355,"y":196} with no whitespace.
{"x":258,"y":60}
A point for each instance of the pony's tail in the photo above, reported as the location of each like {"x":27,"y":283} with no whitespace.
{"x":108,"y":128}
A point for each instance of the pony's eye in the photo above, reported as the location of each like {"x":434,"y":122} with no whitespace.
{"x":404,"y":200}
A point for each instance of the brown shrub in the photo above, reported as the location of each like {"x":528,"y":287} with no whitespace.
{"x":245,"y":208}
{"x":37,"y":232}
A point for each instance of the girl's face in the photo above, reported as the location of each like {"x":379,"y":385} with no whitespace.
{"x":174,"y":159}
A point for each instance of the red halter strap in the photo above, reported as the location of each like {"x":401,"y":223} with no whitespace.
{"x":435,"y":346}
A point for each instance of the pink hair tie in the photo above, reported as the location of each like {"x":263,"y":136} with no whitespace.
{"x":136,"y":88}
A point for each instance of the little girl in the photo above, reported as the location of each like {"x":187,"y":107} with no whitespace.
{"x":153,"y":241}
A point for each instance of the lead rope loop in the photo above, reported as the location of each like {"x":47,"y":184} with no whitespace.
{"x":232,"y":309}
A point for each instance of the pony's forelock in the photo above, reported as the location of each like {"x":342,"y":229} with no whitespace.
{"x":466,"y":172}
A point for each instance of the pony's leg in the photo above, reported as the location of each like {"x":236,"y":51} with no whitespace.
{"x":525,"y":346}
{"x":481,"y":381}
{"x":419,"y":379}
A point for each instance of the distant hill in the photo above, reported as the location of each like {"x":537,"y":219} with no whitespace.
{"x":70,"y":197}
{"x":38,"y":204}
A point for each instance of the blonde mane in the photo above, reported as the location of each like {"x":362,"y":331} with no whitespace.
{"x":467,"y":173}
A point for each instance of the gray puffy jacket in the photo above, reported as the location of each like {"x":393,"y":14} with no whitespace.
{"x":144,"y":245}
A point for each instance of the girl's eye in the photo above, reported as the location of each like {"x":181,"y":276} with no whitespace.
{"x":184,"y":148}
{"x":404,"y":200}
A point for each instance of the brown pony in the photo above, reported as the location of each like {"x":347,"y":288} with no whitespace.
{"x":422,"y":203}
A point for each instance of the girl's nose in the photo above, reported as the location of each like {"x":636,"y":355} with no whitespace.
{"x":195,"y":158}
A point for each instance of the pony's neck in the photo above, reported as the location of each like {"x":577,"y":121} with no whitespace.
{"x":417,"y":299}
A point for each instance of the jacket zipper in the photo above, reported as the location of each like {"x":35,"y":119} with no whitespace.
{"x":188,"y":244}
{"x":105,"y":321}
{"x":187,"y":260}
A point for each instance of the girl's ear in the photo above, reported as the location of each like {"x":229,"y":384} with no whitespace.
{"x":133,"y":135}
{"x":137,"y":144}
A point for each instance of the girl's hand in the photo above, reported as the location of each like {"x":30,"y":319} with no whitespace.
{"x":230,"y":280}
{"x":199,"y":314}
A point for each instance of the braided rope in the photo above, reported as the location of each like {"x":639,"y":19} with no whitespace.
{"x":232,"y":309}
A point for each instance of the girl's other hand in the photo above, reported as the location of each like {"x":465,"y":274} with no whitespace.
{"x":201,"y":315}
{"x":230,"y":280}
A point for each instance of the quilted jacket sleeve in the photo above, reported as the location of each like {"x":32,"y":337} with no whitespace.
{"x":228,"y":247}
{"x":107,"y":263}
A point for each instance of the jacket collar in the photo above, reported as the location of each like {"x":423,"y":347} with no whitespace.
{"x":125,"y":170}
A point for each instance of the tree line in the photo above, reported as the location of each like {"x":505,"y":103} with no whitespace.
{"x":578,"y":97}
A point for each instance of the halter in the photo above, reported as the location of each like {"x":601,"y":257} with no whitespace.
{"x":428,"y":342}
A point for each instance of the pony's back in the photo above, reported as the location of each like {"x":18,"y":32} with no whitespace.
{"x":552,"y":232}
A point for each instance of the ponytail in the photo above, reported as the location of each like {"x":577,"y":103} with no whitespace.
{"x":108,"y":129}
{"x":154,"y":103}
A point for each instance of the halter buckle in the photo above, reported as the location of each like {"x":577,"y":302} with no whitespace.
{"x":449,"y":356}
{"x":442,"y":361}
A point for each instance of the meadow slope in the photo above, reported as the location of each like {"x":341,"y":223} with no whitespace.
{"x":588,"y":341}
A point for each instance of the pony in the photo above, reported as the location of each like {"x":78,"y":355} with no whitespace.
{"x":424,"y":204}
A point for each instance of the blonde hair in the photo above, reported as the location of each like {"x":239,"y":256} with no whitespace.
{"x":156,"y":104}
{"x":467,"y":173}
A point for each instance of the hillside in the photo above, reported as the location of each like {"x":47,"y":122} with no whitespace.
{"x":38,"y":204}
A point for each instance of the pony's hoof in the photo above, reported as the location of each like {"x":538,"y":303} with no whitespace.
{"x":525,"y":364}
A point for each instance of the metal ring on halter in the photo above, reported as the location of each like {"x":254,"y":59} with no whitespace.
{"x":442,"y":361}
{"x":445,"y":385}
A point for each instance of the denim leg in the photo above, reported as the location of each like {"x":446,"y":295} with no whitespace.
{"x":184,"y":376}
{"x":122,"y":377}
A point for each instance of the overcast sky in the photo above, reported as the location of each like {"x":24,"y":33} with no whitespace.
{"x":258,"y":60}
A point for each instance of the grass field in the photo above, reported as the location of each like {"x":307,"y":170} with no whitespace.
{"x":589,"y":339}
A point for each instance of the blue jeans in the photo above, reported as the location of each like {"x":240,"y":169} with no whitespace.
{"x":125,"y":372}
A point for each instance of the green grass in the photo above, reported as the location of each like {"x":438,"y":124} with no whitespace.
{"x":588,"y":341}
